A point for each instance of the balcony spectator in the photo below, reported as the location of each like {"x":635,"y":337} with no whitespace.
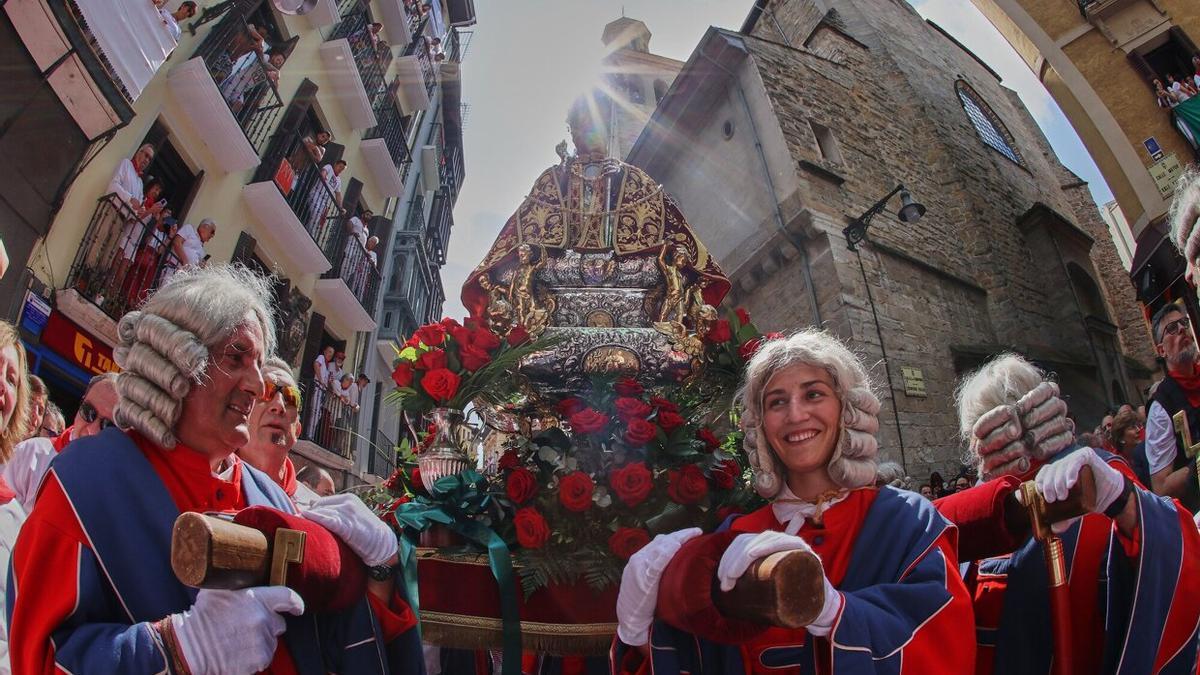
{"x":357,"y":230}
{"x":126,"y":182}
{"x":336,"y":369}
{"x":321,"y":367}
{"x":344,"y":388}
{"x":1166,"y":99}
{"x":187,"y":247}
{"x":356,"y":392}
{"x":133,"y":233}
{"x":1176,"y":88}
{"x":372,"y":242}
{"x":311,"y":152}
{"x":39,"y":395}
{"x":187,"y":9}
{"x":1189,"y":87}
{"x":153,"y":256}
{"x":324,"y":191}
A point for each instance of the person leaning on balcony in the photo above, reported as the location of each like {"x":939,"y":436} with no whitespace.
{"x":188,"y":244}
{"x":187,"y":9}
{"x":317,"y":478}
{"x":96,"y":589}
{"x":126,"y":182}
{"x":274,"y":426}
{"x":1166,"y":99}
{"x":372,"y":242}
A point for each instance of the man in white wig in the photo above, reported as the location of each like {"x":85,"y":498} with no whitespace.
{"x":892,"y":599}
{"x":1134,"y":582}
{"x":92,"y":585}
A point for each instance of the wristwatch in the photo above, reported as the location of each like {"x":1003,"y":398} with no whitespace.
{"x":383,"y":572}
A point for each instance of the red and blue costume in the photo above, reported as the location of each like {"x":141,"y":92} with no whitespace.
{"x":1135,"y":601}
{"x":889,"y":553}
{"x":91,"y":569}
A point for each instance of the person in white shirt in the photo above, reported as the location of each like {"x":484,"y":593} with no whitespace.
{"x":336,"y":369}
{"x":321,"y":366}
{"x":126,"y":182}
{"x":323,"y":191}
{"x":371,"y":255}
{"x":1171,"y":472}
{"x":171,"y":20}
{"x":1176,"y":88}
{"x":357,"y":389}
{"x":187,"y":247}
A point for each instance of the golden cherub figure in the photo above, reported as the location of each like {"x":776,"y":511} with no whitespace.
{"x":499,"y":311}
{"x":521,"y":290}
{"x":674,"y":305}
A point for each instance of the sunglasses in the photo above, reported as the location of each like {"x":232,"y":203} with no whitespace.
{"x":291,"y":394}
{"x":89,"y":414}
{"x":1176,"y":327}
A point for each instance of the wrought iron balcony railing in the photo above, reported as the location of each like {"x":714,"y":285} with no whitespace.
{"x":392,"y":130}
{"x":382,"y":461}
{"x":292,"y":164}
{"x":354,"y":265}
{"x":441,"y":219}
{"x":451,"y":170}
{"x":372,"y":56}
{"x":125,"y":254}
{"x":233,"y":54}
{"x":328,"y":420}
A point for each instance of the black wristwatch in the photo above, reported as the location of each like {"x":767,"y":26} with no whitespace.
{"x":383,"y":572}
{"x":1121,"y":501}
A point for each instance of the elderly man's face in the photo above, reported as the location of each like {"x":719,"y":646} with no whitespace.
{"x":215,"y":416}
{"x":275,"y":422}
{"x":102,"y":398}
{"x":325,"y":486}
{"x":206,"y":232}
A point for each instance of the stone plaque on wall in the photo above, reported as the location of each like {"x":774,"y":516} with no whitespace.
{"x":914,"y":381}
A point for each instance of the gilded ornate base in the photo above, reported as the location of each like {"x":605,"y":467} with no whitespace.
{"x":461,"y":631}
{"x":641,"y":352}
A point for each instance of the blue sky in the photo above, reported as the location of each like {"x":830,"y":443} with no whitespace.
{"x":528,"y":59}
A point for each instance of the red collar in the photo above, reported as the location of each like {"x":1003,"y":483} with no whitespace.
{"x":1190,"y":386}
{"x":289,"y":477}
{"x":59,"y":442}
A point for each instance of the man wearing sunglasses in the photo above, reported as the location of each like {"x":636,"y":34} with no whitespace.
{"x":274,"y":424}
{"x":31,"y":458}
{"x":1171,"y":472}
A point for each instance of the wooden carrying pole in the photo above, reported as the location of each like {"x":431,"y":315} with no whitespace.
{"x":211,"y":552}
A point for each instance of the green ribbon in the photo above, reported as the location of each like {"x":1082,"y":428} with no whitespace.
{"x":420,"y":517}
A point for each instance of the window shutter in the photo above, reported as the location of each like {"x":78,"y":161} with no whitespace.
{"x":312,"y":344}
{"x":244,"y":251}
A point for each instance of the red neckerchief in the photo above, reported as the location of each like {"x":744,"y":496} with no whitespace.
{"x":289,"y":477}
{"x":1190,"y":386}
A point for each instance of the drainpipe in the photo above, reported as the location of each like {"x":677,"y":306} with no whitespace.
{"x":805,"y":268}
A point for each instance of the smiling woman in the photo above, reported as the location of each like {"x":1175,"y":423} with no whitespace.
{"x":886,"y":561}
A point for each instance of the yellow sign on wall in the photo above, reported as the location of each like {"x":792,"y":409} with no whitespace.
{"x":914,"y":381}
{"x":1166,"y":172}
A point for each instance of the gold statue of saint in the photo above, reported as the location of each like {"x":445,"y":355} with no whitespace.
{"x":499,"y":310}
{"x":674,"y":305}
{"x":521,"y":291}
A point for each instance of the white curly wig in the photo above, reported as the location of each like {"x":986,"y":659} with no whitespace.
{"x":1185,"y":210}
{"x":163,"y":348}
{"x":854,"y":458}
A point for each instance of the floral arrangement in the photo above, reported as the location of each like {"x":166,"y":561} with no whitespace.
{"x":618,"y":465}
{"x":449,"y":365}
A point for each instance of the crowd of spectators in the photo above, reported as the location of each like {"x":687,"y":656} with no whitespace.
{"x":1178,"y":88}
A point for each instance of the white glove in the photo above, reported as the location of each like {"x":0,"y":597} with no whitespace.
{"x":232,"y":632}
{"x":347,"y":517}
{"x":639,"y":585}
{"x":746,"y":548}
{"x":1055,"y":480}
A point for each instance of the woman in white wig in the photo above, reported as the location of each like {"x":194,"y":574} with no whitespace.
{"x":1134,"y":586}
{"x":890,"y":592}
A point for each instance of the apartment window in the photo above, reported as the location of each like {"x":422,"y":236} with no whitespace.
{"x":826,"y":143}
{"x":989,"y":127}
{"x":178,"y":180}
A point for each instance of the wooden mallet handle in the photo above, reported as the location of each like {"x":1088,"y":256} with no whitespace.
{"x":785,"y":589}
{"x":1080,"y":501}
{"x":208,"y":552}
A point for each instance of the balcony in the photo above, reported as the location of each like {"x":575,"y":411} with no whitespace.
{"x":228,"y":92}
{"x":441,"y":220}
{"x":357,"y":61}
{"x":327,"y":421}
{"x":347,"y":292}
{"x":299,"y":217}
{"x":382,"y":461}
{"x":451,"y":171}
{"x":123,"y":257}
{"x":401,"y":24}
{"x":385,"y":149}
{"x":96,"y":57}
{"x":416,"y":77}
{"x":325,"y":13}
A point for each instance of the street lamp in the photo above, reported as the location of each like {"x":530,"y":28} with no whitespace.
{"x":910,"y":212}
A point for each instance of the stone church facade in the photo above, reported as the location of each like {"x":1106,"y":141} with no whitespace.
{"x":774,"y":138}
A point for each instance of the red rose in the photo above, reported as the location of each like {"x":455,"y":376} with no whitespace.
{"x":414,"y":478}
{"x":663,"y":404}
{"x":627,"y":386}
{"x":485,"y":339}
{"x":521,"y":485}
{"x":725,"y":474}
{"x":532,"y":530}
{"x":432,"y":360}
{"x":403,"y":374}
{"x":449,"y":323}
{"x":588,"y":421}
{"x":743,"y":316}
{"x":629,"y":408}
{"x":687,"y":484}
{"x":639,"y":432}
{"x":575,"y":491}
{"x":719,"y":332}
{"x":432,"y":334}
{"x":747,"y":348}
{"x":517,"y":335}
{"x":413,"y":341}
{"x":632,"y":483}
{"x":404,"y":499}
{"x":461,"y":335}
{"x":710,"y":439}
{"x":628,"y":540}
{"x":473,"y":358}
{"x":669,"y":420}
{"x":569,"y":406}
{"x":440,"y":384}
{"x":509,"y":460}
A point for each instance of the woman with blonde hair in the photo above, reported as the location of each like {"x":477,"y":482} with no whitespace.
{"x":891,"y":593}
{"x":14,"y":385}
